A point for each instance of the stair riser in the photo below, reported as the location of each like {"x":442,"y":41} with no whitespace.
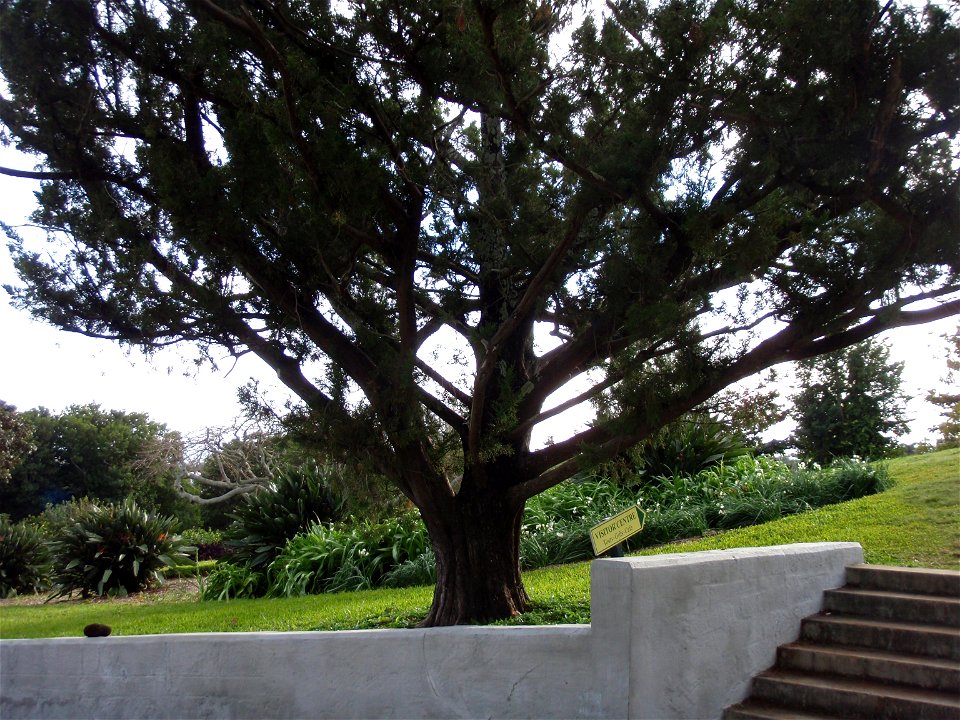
{"x":947,"y":584}
{"x":928,"y":677}
{"x":911,"y":642}
{"x":937,"y":611}
{"x":842,"y":703}
{"x":737,"y":714}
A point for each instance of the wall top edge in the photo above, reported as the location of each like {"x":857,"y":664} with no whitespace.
{"x":462,"y":631}
{"x":709,"y":556}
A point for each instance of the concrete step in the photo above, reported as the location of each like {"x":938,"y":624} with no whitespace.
{"x":936,"y":641}
{"x":909,"y":580}
{"x":889,"y":605}
{"x":759,"y":710}
{"x":850,"y":698}
{"x":921,"y":672}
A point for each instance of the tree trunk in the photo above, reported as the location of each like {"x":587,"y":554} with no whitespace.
{"x":477,"y":544}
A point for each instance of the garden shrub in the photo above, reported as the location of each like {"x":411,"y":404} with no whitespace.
{"x":356,"y":556}
{"x":229,"y":581}
{"x":556,"y":523}
{"x":555,"y":529}
{"x":24,"y":559}
{"x":746,"y":492}
{"x":55,"y":519}
{"x":267,"y":519}
{"x":421,"y":570}
{"x":209,"y":543}
{"x":114,"y":547}
{"x":684,"y":447}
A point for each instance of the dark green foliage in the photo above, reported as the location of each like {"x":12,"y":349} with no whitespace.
{"x":396,"y":553}
{"x":355,"y":556}
{"x":114,"y":547}
{"x":24,"y":559}
{"x":850,"y":403}
{"x":948,"y":399}
{"x":328,"y":185}
{"x":747,"y":492}
{"x":685,"y":447}
{"x":15,"y":440}
{"x":556,"y":523}
{"x":56,"y":519}
{"x":88,"y":451}
{"x":268,"y":518}
{"x":229,"y":581}
{"x":209,"y":543}
{"x":744,"y":492}
{"x":421,"y":570}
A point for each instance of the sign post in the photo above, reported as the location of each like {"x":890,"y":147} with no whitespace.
{"x":613,"y":531}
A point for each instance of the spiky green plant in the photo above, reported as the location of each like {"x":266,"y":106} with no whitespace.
{"x":24,"y":559}
{"x":114,"y":547}
{"x":267,"y":519}
{"x":356,"y":556}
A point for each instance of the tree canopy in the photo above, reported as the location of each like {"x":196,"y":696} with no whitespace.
{"x":86,"y":451}
{"x":850,"y":403}
{"x":15,"y":439}
{"x":948,"y":398}
{"x":672,"y":196}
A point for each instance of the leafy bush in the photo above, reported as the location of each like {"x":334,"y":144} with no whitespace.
{"x":229,"y":581}
{"x":685,"y":447}
{"x":24,"y":559}
{"x":209,"y":543}
{"x":266,"y":520}
{"x":55,"y":519}
{"x":331,"y":558}
{"x":114,"y":547}
{"x":556,"y":523}
{"x":749,"y":491}
{"x":555,"y":528}
{"x":421,"y":570}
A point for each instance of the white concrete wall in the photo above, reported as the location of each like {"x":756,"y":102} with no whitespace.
{"x":699,"y":626}
{"x":672,"y":636}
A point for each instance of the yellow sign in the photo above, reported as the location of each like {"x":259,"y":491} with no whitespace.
{"x":616,"y":529}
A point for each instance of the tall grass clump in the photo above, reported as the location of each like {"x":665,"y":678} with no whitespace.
{"x":685,"y":447}
{"x":556,"y":523}
{"x":333,"y":558}
{"x":749,"y":491}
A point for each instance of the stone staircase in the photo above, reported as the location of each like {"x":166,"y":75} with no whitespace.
{"x":886,"y":646}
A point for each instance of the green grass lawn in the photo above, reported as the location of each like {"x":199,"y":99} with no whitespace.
{"x":917,"y":523}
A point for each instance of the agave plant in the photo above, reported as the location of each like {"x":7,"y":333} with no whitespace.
{"x":114,"y":547}
{"x":266,"y":520}
{"x":24,"y":559}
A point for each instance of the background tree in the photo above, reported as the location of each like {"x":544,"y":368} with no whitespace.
{"x":949,"y":429}
{"x":342,"y":189}
{"x":15,"y":440}
{"x":850,"y":403}
{"x":87,"y":451}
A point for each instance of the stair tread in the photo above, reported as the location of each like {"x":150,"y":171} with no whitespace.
{"x":854,"y":590}
{"x":870,"y":653}
{"x":900,"y":570}
{"x":843,"y":618}
{"x":922,"y":578}
{"x":864,"y":687}
{"x":773,"y":711}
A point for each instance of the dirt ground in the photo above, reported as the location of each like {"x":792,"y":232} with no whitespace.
{"x":172,"y":590}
